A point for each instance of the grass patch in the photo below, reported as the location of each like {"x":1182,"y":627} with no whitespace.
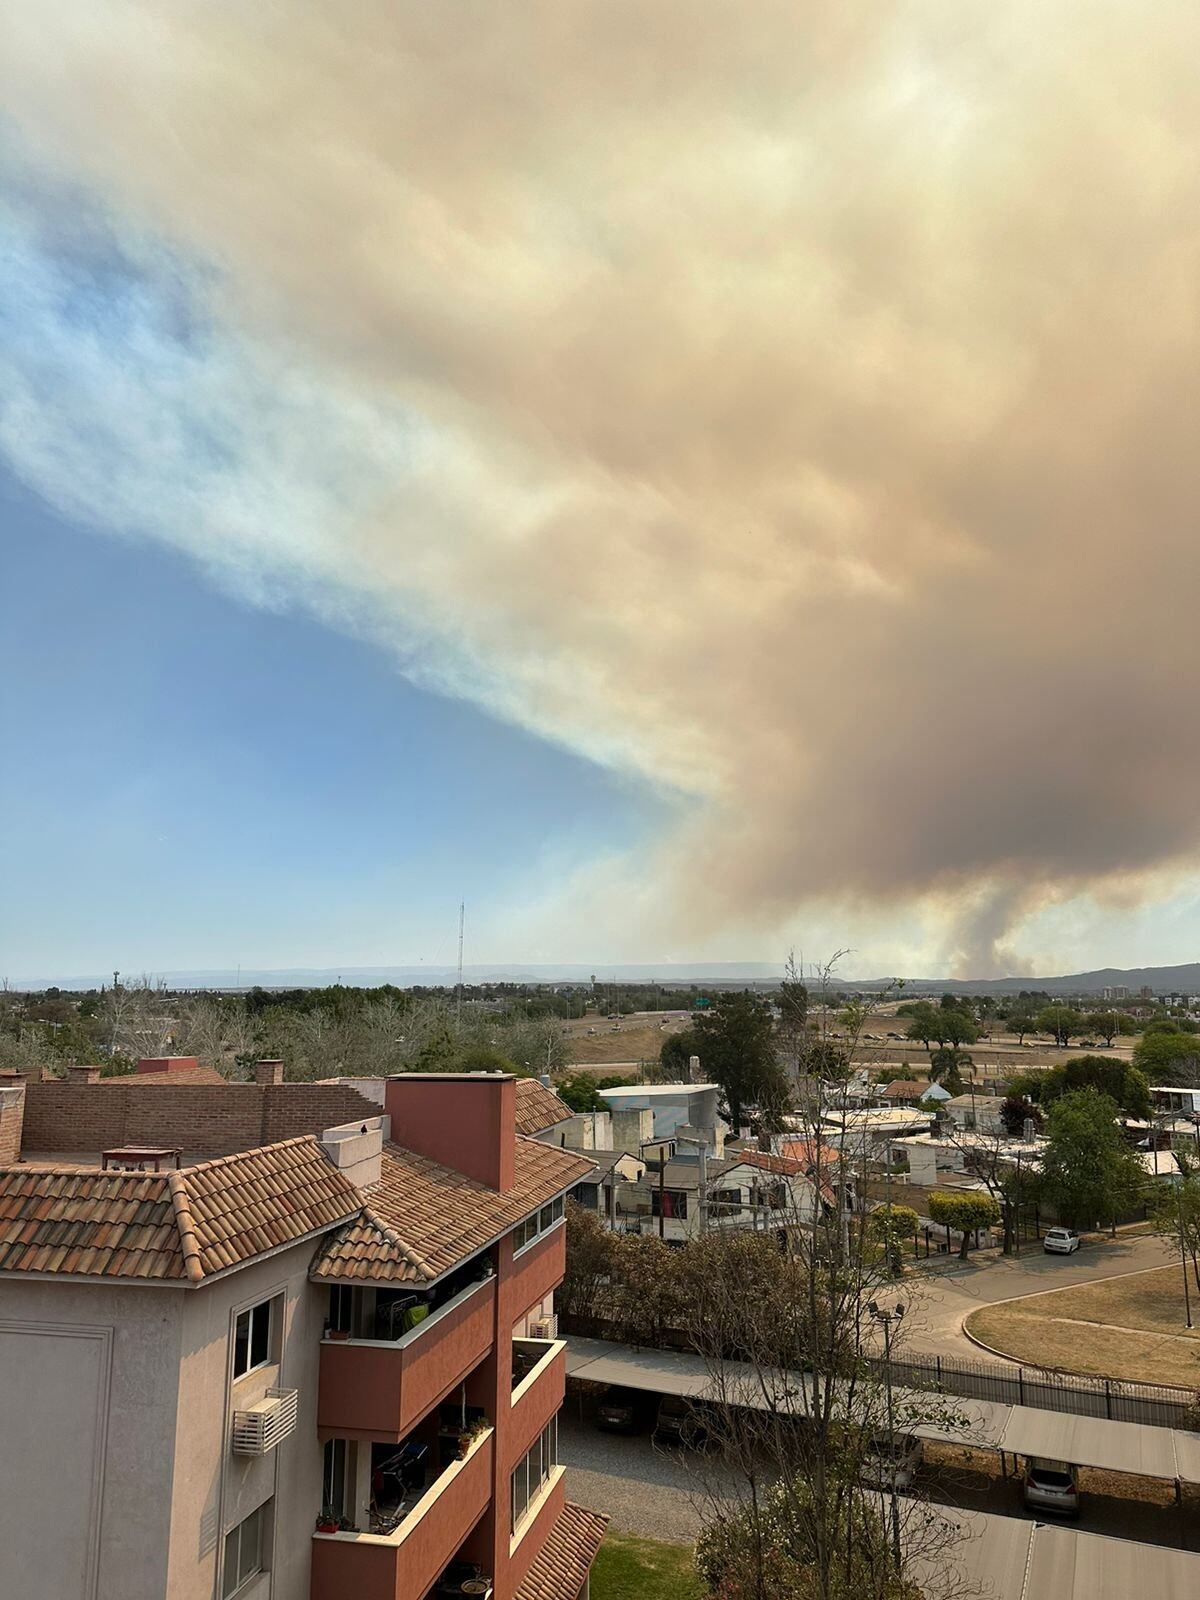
{"x":1130,"y":1327}
{"x":644,"y":1569}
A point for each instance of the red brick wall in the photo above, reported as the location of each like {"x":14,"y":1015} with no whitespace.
{"x":203,"y":1119}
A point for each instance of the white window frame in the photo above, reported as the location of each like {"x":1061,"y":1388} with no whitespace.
{"x":540,"y":1222}
{"x":254,"y":1314}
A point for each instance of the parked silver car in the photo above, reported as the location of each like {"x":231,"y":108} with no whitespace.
{"x":1061,"y":1241}
{"x":1051,"y":1486}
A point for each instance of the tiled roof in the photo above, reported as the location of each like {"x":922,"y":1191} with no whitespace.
{"x":107,"y":1224}
{"x":781,"y":1166}
{"x":538,"y":1108}
{"x":421,"y":1218}
{"x":182,"y":1226}
{"x":903,"y":1088}
{"x":811,"y":1154}
{"x":197,"y":1074}
{"x":561,"y":1566}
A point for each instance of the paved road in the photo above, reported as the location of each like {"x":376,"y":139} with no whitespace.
{"x":943,"y":1302}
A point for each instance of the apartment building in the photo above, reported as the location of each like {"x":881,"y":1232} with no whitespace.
{"x":319,"y":1367}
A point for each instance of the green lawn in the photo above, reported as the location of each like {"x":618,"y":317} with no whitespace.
{"x":644,"y":1569}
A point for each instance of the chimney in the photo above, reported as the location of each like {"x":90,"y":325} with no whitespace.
{"x":12,"y":1117}
{"x":150,"y":1064}
{"x":465,"y":1120}
{"x":268,"y":1072}
{"x":631,"y":1129}
{"x":355,"y":1148}
{"x":85,"y":1074}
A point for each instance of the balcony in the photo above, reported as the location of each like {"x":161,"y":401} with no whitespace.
{"x":404,"y":1562}
{"x":378,"y":1388}
{"x":539,"y":1385}
{"x":538,"y":1269}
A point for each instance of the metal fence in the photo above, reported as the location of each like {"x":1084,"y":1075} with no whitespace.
{"x":1157,"y":1404}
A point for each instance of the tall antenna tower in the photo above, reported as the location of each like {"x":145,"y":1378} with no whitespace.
{"x":462,"y":924}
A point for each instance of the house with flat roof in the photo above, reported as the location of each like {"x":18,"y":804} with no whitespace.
{"x":313,"y":1366}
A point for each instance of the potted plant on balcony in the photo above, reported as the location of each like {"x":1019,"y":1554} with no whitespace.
{"x":328,"y":1520}
{"x":469,"y":1434}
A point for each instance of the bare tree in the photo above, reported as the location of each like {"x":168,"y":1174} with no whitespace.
{"x":795,"y":1326}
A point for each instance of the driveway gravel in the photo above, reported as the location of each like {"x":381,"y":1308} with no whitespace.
{"x":644,"y":1490}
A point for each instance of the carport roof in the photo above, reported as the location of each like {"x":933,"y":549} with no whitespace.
{"x":1011,"y":1559}
{"x":1130,"y":1447}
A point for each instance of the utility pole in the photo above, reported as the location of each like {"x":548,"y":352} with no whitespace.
{"x":885,"y":1319}
{"x":1187,"y":1293}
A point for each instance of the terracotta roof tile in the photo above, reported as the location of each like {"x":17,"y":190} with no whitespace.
{"x":538,"y":1108}
{"x":560,"y":1568}
{"x":421,"y":1219}
{"x":181,"y":1226}
{"x":197,"y":1074}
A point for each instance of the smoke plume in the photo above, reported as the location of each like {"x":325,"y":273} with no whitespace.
{"x":794,"y":406}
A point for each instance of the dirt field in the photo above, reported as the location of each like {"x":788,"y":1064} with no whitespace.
{"x":1129,"y":1327}
{"x":637,"y":1038}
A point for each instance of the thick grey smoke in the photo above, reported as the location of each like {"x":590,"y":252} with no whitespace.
{"x":802,"y":399}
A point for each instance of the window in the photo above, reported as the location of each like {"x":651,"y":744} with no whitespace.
{"x":244,"y":1547}
{"x":669,"y":1203}
{"x":534,"y":1467}
{"x":540,"y":1222}
{"x":252,"y":1339}
{"x":341,"y":1307}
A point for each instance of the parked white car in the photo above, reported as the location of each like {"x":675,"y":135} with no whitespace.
{"x":1061,"y":1241}
{"x":1052,"y":1486}
{"x":891,"y":1462}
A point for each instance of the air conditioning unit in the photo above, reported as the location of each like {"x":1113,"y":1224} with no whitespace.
{"x":544,"y":1328}
{"x":265,"y":1424}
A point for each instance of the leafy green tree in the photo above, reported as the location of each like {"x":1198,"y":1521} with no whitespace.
{"x":1064,"y":1022}
{"x":677,"y":1050}
{"x":737,"y":1050}
{"x":485,"y":1058}
{"x":957,"y":1029}
{"x":942,"y":1025}
{"x":581,"y":1091}
{"x":1105,"y":1024}
{"x":964,"y":1210}
{"x":1089,"y":1174}
{"x":893,"y":1227}
{"x":1171,"y":1059}
{"x":924,"y":1020}
{"x":1117,"y":1079}
{"x":1022,"y":1019}
{"x":1015,"y":1111}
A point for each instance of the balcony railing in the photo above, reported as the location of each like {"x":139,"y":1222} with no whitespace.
{"x":381,"y":1387}
{"x":406,"y":1561}
{"x":530,"y":1358}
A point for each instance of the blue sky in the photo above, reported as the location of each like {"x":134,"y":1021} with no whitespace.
{"x":191,"y":782}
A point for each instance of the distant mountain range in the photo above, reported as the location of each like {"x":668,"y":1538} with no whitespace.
{"x":1183,"y":979}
